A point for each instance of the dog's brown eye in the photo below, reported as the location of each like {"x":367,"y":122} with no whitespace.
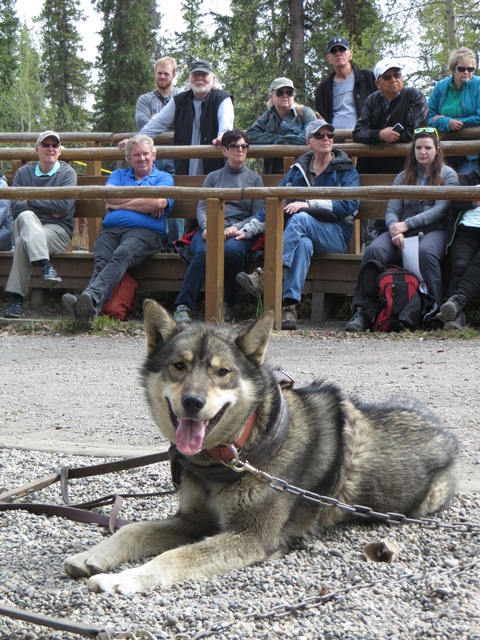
{"x":179,"y":366}
{"x":223,"y":372}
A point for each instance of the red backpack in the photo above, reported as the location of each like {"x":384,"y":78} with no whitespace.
{"x":400,"y":303}
{"x":120,"y":304}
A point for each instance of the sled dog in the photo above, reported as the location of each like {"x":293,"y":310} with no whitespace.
{"x":212,"y":394}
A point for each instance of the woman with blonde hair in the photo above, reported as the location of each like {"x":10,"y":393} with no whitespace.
{"x":285,"y":122}
{"x":455,"y":102}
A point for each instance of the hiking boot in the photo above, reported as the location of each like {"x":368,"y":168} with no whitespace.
{"x":358,"y":323}
{"x":182,"y":314}
{"x":70,"y":301}
{"x":49,"y":276}
{"x":228,"y":313}
{"x":289,"y":318}
{"x":451,"y":308}
{"x":85,"y":311}
{"x":253,"y":282}
{"x":458,"y":323}
{"x":14,"y":309}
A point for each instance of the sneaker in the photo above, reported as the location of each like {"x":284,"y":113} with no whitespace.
{"x":458,"y":323}
{"x":70,"y":301}
{"x":253,"y":282}
{"x":289,"y":318}
{"x":85,"y":311}
{"x":49,"y":276}
{"x":182,"y":314}
{"x":358,"y":323}
{"x":228,"y":313}
{"x":14,"y":309}
{"x":451,"y":308}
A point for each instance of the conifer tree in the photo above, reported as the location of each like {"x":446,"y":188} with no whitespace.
{"x":125,"y":60}
{"x":9,"y":26}
{"x":66,"y":75}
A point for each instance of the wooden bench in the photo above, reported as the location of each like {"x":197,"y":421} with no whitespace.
{"x":330,"y":274}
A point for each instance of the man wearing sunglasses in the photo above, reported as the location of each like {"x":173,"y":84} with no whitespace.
{"x":285,"y":121}
{"x":389,"y":116}
{"x":313,"y":226}
{"x":340,"y":97}
{"x":40,"y":227}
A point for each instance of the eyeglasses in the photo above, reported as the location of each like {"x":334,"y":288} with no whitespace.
{"x":389,"y":76}
{"x":47,"y":145}
{"x":320,"y":135}
{"x":243,"y":146}
{"x":337,"y":50}
{"x":284,"y":92}
{"x":425,"y":130}
{"x":463,"y":69}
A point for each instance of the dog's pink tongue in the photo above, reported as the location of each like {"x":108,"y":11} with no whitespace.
{"x":190,"y":435}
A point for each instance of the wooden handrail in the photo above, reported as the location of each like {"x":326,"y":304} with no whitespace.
{"x":201,"y":193}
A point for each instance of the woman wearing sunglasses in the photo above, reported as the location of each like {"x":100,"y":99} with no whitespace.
{"x":285,"y":121}
{"x":424,"y":166}
{"x":455,"y":102}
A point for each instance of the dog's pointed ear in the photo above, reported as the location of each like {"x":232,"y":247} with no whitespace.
{"x":159,"y":325}
{"x":255,"y":340}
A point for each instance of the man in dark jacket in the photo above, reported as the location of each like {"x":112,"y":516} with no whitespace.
{"x":389,"y":115}
{"x":340,"y":97}
{"x":200,"y":115}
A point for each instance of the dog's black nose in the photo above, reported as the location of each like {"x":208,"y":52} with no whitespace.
{"x":192,"y":403}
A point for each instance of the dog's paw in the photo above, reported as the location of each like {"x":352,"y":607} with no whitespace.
{"x":123,"y":583}
{"x":84,"y":564}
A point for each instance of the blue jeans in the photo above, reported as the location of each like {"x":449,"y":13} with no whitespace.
{"x":116,"y":250}
{"x":236,"y":252}
{"x":303,"y":237}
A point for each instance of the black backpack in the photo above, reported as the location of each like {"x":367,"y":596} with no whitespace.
{"x":402,"y":301}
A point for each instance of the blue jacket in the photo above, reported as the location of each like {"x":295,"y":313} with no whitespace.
{"x":470,"y":97}
{"x":339,"y":173}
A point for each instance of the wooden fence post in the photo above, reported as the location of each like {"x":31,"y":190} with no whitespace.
{"x":215,"y":257}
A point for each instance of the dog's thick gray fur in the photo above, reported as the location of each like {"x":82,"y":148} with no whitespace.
{"x":203,"y":382}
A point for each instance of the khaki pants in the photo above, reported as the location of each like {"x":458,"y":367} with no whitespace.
{"x":33,"y":241}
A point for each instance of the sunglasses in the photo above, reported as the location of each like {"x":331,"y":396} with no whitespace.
{"x":243,"y":146}
{"x":463,"y":69}
{"x":47,"y":145}
{"x":284,"y":92}
{"x":337,"y":50}
{"x":389,"y":76}
{"x":320,"y":135}
{"x":425,"y":130}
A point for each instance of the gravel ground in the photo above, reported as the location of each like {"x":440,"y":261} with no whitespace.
{"x":76,"y":400}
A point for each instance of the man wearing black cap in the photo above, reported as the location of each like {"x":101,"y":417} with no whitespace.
{"x":198,"y":116}
{"x":340,"y":97}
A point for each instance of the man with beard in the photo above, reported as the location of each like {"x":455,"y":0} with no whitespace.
{"x":200,"y":115}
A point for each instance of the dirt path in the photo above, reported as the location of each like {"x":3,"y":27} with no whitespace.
{"x":81,"y":394}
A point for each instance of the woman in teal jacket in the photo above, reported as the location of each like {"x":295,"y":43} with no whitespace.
{"x":455,"y":102}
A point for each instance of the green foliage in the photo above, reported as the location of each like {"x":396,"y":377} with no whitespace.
{"x":65,"y":75}
{"x":9,"y":26}
{"x":22,"y":107}
{"x":125,"y":60}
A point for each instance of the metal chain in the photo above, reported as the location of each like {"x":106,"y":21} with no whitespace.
{"x":283,"y":610}
{"x":325,"y":501}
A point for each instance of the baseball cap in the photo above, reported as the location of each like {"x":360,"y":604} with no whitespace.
{"x":200,"y":65}
{"x":316,"y":125}
{"x":385,"y":64}
{"x":47,"y":134}
{"x":337,"y":41}
{"x":281,"y":82}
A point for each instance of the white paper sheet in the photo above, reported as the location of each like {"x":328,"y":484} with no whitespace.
{"x":410,"y":256}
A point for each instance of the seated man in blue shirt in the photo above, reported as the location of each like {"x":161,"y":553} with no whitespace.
{"x":133,"y":229}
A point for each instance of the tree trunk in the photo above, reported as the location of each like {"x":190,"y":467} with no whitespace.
{"x":297,"y":46}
